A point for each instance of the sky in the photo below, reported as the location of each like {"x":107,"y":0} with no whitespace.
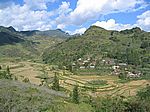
{"x":75,"y":16}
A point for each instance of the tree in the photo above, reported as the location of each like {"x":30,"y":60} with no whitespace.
{"x":55,"y":85}
{"x":109,"y":104}
{"x":0,"y":67}
{"x":8,"y":70}
{"x":145,"y":44}
{"x":5,"y":75}
{"x":133,"y":56}
{"x":144,"y":94}
{"x":122,"y":76}
{"x":75,"y":95}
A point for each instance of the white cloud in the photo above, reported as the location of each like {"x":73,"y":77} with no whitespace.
{"x":92,"y":9}
{"x":61,"y":26}
{"x":79,"y":31}
{"x":37,"y":4}
{"x":64,"y":8}
{"x":62,"y":11}
{"x":112,"y":25}
{"x":34,"y":14}
{"x":144,"y":20}
{"x":22,"y":18}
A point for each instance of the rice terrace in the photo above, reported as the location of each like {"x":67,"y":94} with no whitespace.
{"x":74,"y":56}
{"x":106,"y":84}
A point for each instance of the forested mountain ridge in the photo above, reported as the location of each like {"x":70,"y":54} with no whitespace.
{"x":130,"y":46}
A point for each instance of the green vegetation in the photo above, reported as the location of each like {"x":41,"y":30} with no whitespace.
{"x":16,"y":96}
{"x":26,"y":80}
{"x":75,"y":94}
{"x":98,"y":44}
{"x":140,"y":103}
{"x":97,"y":83}
{"x":5,"y":74}
{"x":55,"y":85}
{"x":27,"y":44}
{"x":98,"y":71}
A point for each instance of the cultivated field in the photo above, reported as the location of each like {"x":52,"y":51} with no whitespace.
{"x":113,"y":86}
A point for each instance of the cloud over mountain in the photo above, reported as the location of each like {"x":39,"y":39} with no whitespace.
{"x":71,"y":16}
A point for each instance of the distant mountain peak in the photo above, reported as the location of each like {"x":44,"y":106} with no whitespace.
{"x":137,"y":29}
{"x":60,"y":30}
{"x":11,"y":29}
{"x":96,"y":27}
{"x":133,"y":30}
{"x":93,"y":29}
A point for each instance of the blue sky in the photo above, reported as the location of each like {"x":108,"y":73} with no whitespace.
{"x":75,"y":16}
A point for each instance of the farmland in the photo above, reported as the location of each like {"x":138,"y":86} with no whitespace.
{"x":107,"y":85}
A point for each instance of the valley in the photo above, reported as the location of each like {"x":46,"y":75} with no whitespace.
{"x":100,"y":64}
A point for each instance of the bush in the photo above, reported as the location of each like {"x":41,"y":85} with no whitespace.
{"x":26,"y":80}
{"x":5,"y":75}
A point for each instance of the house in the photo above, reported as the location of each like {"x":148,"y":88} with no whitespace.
{"x":122,"y":64}
{"x":108,"y":61}
{"x":86,"y":61}
{"x":82,"y":67}
{"x":79,"y":59}
{"x":73,"y":64}
{"x":133,"y":75}
{"x":116,"y":69}
{"x":92,"y":66}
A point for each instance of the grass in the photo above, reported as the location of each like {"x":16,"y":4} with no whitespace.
{"x":123,"y":81}
{"x":97,"y":83}
{"x":16,"y":96}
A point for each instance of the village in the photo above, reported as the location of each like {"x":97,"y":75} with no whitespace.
{"x":116,"y":68}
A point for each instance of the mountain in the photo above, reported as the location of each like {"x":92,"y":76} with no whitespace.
{"x":58,"y":33}
{"x":9,"y":36}
{"x":130,"y":46}
{"x":27,"y":44}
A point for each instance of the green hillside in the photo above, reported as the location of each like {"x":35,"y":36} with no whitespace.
{"x":129,"y":46}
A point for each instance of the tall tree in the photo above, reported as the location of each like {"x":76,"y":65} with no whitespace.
{"x":55,"y":85}
{"x":8,"y":70}
{"x":75,"y":95}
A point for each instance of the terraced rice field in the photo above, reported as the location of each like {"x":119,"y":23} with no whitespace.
{"x":112,"y":88}
{"x":31,"y":70}
{"x":28,"y":70}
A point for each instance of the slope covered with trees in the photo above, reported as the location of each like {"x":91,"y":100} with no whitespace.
{"x":128,"y":46}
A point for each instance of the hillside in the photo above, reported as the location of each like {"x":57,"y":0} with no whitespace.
{"x":27,"y":44}
{"x":129,"y":46}
{"x":24,"y":97}
{"x":26,"y":85}
{"x":9,"y":36}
